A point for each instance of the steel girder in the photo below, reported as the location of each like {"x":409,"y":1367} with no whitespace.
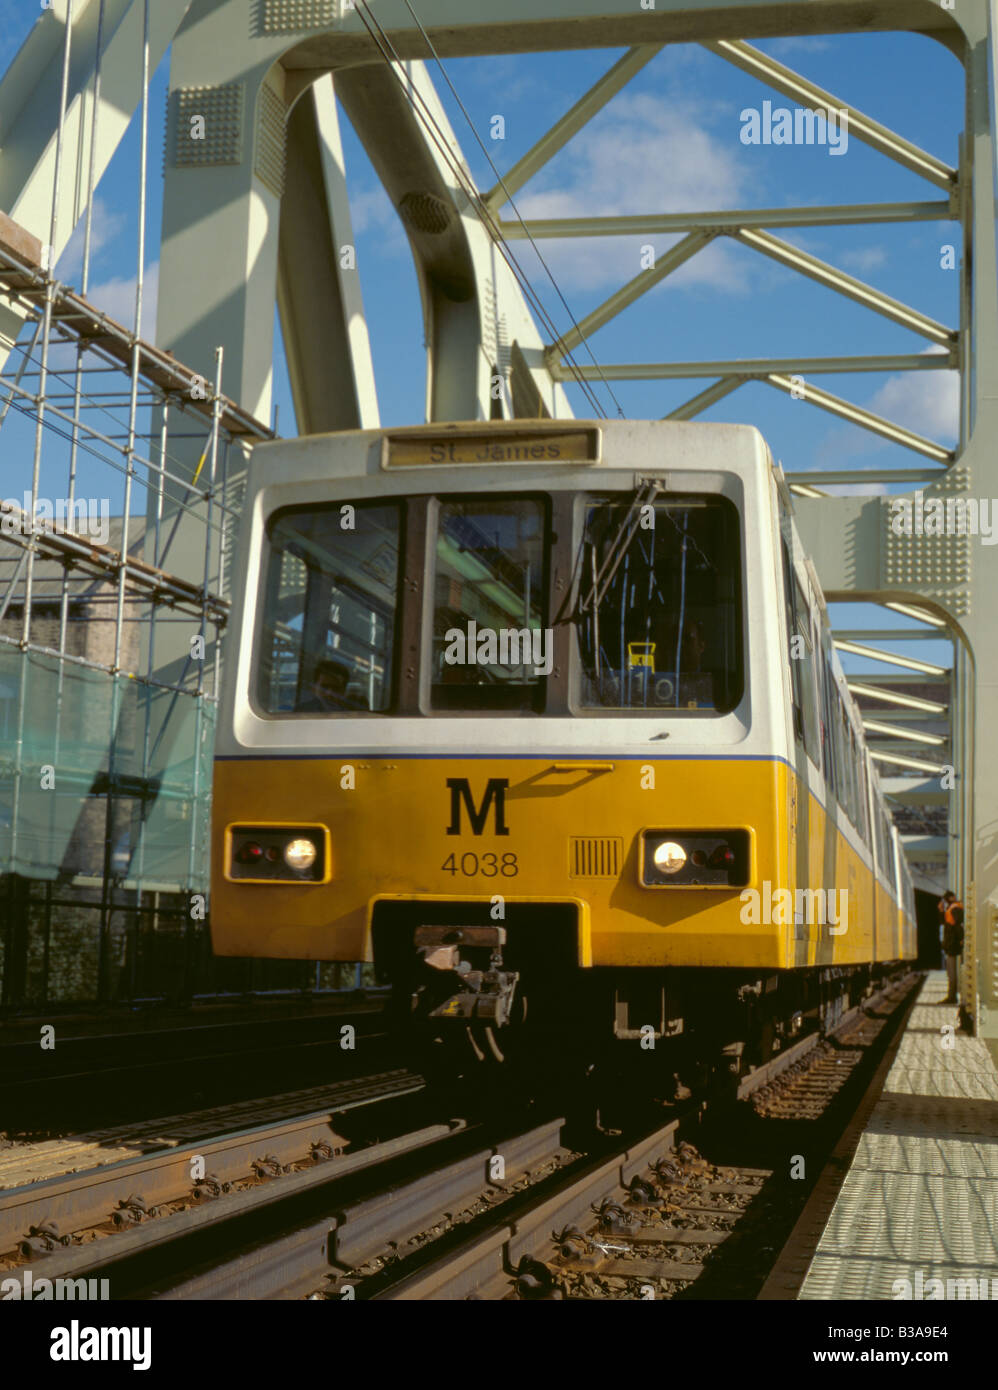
{"x":238,"y":225}
{"x":852,"y":565}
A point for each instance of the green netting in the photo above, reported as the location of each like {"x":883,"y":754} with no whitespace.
{"x":105,"y":789}
{"x":102,"y":776}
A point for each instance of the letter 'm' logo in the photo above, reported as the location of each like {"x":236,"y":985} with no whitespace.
{"x":460,"y":791}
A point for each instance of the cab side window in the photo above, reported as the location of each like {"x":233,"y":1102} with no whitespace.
{"x":800,"y":650}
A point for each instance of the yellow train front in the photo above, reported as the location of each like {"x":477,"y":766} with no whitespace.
{"x":544,"y":718}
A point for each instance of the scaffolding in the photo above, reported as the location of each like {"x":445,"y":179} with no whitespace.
{"x":109,"y":650}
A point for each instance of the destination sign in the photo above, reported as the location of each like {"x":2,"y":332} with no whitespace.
{"x":492,"y":446}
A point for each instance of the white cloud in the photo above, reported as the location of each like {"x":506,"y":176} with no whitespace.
{"x":117,"y":299}
{"x":370,"y":207}
{"x":927,"y":402}
{"x":801,"y":44}
{"x":608,"y":263}
{"x":644,"y":154}
{"x":105,"y":227}
{"x":855,"y":490}
{"x":865,"y":258}
{"x":371,"y":213}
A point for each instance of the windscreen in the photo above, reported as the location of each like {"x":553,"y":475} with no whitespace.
{"x":659,"y":622}
{"x":328,"y":634}
{"x":491,"y":649}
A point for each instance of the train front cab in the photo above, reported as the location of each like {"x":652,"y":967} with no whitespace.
{"x":530,"y":809}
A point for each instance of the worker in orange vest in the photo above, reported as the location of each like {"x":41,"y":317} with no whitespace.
{"x":952,"y":942}
{"x":942,"y":907}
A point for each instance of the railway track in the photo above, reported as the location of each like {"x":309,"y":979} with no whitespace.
{"x":453,"y":1209}
{"x":647,"y":1215}
{"x":115,"y":1077}
{"x":123,"y":1176}
{"x":660,"y":1218}
{"x":33,"y":1162}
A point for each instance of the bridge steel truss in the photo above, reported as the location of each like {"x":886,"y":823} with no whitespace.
{"x":258,"y":209}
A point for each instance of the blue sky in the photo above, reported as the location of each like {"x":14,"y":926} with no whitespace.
{"x":668,"y":142}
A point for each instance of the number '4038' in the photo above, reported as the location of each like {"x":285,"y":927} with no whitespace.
{"x":470,"y":865}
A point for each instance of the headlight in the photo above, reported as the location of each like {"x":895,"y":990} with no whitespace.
{"x":674,"y":858}
{"x":669,"y":857}
{"x":278,"y":853}
{"x":300,"y":854}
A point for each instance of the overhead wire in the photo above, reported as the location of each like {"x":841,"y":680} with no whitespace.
{"x":426,"y":118}
{"x":512,"y":203}
{"x":495,"y":232}
{"x":438,"y":137}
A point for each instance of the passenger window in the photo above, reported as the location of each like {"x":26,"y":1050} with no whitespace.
{"x":827,"y":739}
{"x":804,"y":662}
{"x":850,"y":791}
{"x":864,"y":791}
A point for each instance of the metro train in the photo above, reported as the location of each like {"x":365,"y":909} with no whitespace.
{"x":545,"y":719}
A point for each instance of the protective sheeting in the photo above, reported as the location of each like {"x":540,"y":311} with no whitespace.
{"x":102,"y":776}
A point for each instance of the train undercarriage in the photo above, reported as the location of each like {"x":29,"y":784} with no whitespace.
{"x":512,"y":992}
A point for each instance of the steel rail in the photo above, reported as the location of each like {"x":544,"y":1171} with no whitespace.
{"x":517,"y":1250}
{"x":484,"y":1265}
{"x":288,"y":1226}
{"x":146,"y":1245}
{"x":793,"y":1260}
{"x":40,"y":1217}
{"x":762,"y":1076}
{"x":285,"y":1238}
{"x":296,"y":1264}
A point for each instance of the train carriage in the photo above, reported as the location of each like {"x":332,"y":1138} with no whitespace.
{"x":544,"y":717}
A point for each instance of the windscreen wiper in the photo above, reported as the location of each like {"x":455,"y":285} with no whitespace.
{"x":619,"y":544}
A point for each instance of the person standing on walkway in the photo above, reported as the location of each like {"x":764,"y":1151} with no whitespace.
{"x":942,"y":907}
{"x":952,"y":942}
